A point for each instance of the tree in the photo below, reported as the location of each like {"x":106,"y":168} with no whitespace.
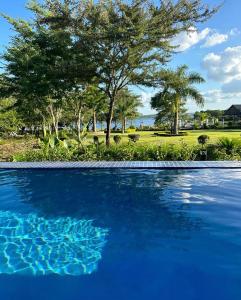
{"x":177,"y":87}
{"x":202,"y":117}
{"x":96,"y":101}
{"x":215,"y":115}
{"x":129,"y":42}
{"x":29,"y":70}
{"x":83,"y":104}
{"x":10,"y":121}
{"x":41,"y":66}
{"x":165,"y":105}
{"x":76,"y":109}
{"x":126,"y":106}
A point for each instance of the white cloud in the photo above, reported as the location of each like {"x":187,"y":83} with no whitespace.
{"x":225,"y":66}
{"x":215,"y":39}
{"x":209,"y":37}
{"x":146,"y":98}
{"x":186,"y":40}
{"x":218,"y":96}
{"x":216,"y":99}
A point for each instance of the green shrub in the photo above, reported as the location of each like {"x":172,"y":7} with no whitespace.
{"x":229,"y":145}
{"x":203,"y":139}
{"x":117,"y":139}
{"x":71,"y":150}
{"x":52,"y":154}
{"x":215,"y":153}
{"x":64,"y":134}
{"x":196,"y":126}
{"x":134,"y":137}
{"x":72,"y":143}
{"x":50,"y":141}
{"x":96,"y":140}
{"x":131,"y":130}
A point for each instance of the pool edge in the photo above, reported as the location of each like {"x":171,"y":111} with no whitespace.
{"x":123,"y":165}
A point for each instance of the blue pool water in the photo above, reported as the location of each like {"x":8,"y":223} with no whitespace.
{"x":120,"y":234}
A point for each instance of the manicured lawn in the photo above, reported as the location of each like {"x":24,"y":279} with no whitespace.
{"x":150,"y":138}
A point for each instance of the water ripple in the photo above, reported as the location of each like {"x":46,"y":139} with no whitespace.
{"x":37,"y":246}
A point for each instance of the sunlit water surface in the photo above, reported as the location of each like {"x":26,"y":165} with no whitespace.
{"x":120,"y":234}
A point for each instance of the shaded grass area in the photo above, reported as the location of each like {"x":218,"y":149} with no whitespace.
{"x":12,"y":146}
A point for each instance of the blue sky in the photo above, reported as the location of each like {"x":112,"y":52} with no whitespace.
{"x":214,"y":50}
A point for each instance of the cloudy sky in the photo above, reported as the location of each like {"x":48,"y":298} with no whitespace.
{"x":213,"y":49}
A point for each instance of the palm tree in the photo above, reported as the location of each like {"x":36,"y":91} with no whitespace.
{"x":177,"y":87}
{"x":126,"y":107}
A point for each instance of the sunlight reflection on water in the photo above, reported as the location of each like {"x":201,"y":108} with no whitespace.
{"x":37,"y":246}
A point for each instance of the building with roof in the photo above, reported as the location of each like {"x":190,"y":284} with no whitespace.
{"x":234,"y":111}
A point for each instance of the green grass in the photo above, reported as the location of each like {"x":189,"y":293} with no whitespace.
{"x":148,"y":137}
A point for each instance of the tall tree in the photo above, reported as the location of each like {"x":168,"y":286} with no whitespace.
{"x":177,"y":87}
{"x":129,"y":42}
{"x":42,"y":66}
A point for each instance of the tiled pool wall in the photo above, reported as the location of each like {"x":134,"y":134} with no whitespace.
{"x":123,"y":165}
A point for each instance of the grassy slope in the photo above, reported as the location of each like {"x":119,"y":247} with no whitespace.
{"x":12,"y":146}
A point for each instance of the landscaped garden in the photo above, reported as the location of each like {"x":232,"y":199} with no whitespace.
{"x":141,"y":145}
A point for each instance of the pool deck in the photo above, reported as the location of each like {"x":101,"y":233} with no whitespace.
{"x":124,"y":165}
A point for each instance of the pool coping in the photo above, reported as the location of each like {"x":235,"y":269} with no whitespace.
{"x":123,"y":165}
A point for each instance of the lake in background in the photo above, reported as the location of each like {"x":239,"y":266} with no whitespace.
{"x":141,"y":121}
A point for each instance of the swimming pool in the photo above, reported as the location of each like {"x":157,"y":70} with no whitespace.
{"x":120,"y":234}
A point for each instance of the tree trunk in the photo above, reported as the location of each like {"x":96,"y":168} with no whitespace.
{"x":108,"y":122}
{"x":56,"y":130}
{"x":50,"y":129}
{"x":44,"y":127}
{"x":94,"y":121}
{"x":78,"y":125}
{"x":176,"y":117}
{"x":56,"y":126}
{"x":55,"y":120}
{"x":176,"y":122}
{"x":123,"y":125}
